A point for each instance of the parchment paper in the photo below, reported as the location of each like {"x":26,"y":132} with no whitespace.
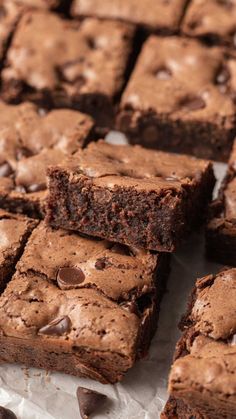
{"x":36,"y":394}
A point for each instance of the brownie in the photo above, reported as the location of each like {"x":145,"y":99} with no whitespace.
{"x":180,"y":98}
{"x":129,"y":195}
{"x":212,"y":20}
{"x":63,"y":63}
{"x":30,"y":141}
{"x":10,"y":13}
{"x":202,"y":382}
{"x":156,"y":15}
{"x":14,"y":232}
{"x":221,"y":228}
{"x":61,"y":311}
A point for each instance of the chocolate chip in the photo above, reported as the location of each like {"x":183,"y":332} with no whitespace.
{"x":223,"y":75}
{"x":69,"y":277}
{"x":89,"y":401}
{"x":100,"y":264}
{"x":57,"y":327}
{"x":193,"y":103}
{"x":5,"y":170}
{"x":131,"y":306}
{"x":163,"y":73}
{"x":6,"y":413}
{"x":36,"y":187}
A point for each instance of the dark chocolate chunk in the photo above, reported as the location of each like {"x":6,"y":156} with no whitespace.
{"x":6,"y":413}
{"x":69,"y":277}
{"x":57,"y":327}
{"x":5,"y":169}
{"x":89,"y":401}
{"x":100,"y":264}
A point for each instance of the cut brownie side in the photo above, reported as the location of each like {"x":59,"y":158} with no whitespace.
{"x":156,"y":15}
{"x":202,"y":381}
{"x":130,"y":195}
{"x":29,"y":142}
{"x":170,"y":103}
{"x":221,"y":229}
{"x":14,"y":232}
{"x":212,"y":20}
{"x":79,"y":65}
{"x":69,"y":316}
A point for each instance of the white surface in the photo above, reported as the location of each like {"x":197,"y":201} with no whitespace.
{"x":35,"y":394}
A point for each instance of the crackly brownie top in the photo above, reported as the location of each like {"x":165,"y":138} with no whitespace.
{"x":12,"y":231}
{"x":214,"y":311}
{"x":44,"y":4}
{"x":110,"y":165}
{"x":156,"y":14}
{"x":209,"y":369}
{"x":48,"y":52}
{"x":9,"y":15}
{"x":72,"y":261}
{"x":63,"y":290}
{"x":211,"y":18}
{"x":210,"y":340}
{"x":168,"y":79}
{"x":30,"y":141}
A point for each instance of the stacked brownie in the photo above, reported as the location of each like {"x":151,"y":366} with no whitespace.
{"x":202,"y":381}
{"x":221,"y":229}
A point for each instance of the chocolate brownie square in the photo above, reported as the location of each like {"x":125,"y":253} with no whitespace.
{"x":64,"y":63}
{"x":130,"y":195}
{"x":156,"y":15}
{"x":181,"y":98}
{"x":61,"y":311}
{"x":212,"y":20}
{"x":221,"y":229}
{"x":14,"y":232}
{"x":29,"y":142}
{"x":202,"y":382}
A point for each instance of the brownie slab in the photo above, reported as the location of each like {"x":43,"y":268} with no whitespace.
{"x":14,"y":232}
{"x":202,"y":382}
{"x":170,"y":103}
{"x":69,"y":316}
{"x":63,"y":63}
{"x":157,"y":15}
{"x":211,"y":20}
{"x":221,"y":228}
{"x":129,"y":195}
{"x":29,"y":142}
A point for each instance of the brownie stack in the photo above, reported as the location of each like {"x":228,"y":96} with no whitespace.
{"x":87,"y":228}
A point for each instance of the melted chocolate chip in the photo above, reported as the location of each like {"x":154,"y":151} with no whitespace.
{"x":6,"y":413}
{"x":57,"y":327}
{"x":36,"y":187}
{"x":163,"y":73}
{"x":69,"y":277}
{"x":193,"y":103}
{"x":5,"y":170}
{"x":100,"y":264}
{"x":223,"y":76}
{"x":89,"y":401}
{"x":131,"y":306}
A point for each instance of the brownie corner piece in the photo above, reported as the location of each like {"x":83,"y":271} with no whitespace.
{"x":129,"y":194}
{"x":30,"y":141}
{"x":221,"y":226}
{"x":202,"y":20}
{"x":81,"y":323}
{"x":14,"y":232}
{"x":155,"y":15}
{"x":82,"y":63}
{"x":202,"y":380}
{"x":169,"y":103}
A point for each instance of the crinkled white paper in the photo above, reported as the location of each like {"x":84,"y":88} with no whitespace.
{"x":36,"y":394}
